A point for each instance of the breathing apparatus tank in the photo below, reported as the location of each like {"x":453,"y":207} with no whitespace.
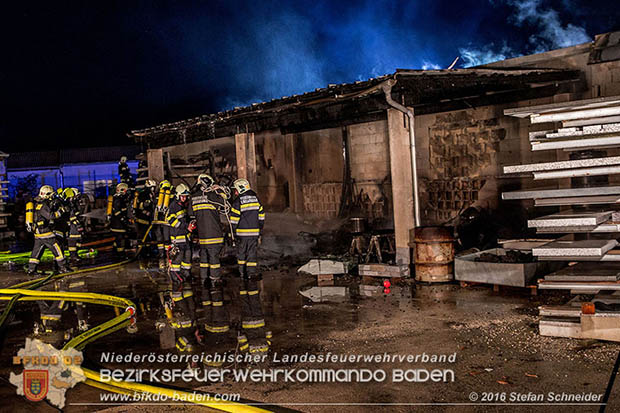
{"x":109,"y":208}
{"x":167,"y":197}
{"x":30,"y":213}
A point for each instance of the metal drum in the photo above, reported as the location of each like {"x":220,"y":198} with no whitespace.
{"x":434,"y":254}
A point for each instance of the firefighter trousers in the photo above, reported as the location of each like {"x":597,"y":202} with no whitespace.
{"x":74,"y":240}
{"x":216,"y":315}
{"x":161,"y":234}
{"x":254,"y":337}
{"x":37,"y":251}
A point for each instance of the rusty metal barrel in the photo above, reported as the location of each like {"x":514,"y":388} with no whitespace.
{"x":434,"y":254}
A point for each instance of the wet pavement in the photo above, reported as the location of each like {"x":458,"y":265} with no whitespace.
{"x":494,"y":336}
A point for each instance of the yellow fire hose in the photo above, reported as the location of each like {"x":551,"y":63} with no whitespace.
{"x":19,"y":292}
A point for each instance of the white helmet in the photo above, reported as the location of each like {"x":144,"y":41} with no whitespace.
{"x":122,"y":188}
{"x":241,"y":185}
{"x":46,"y":192}
{"x":182,"y":190}
{"x":150,"y":183}
{"x":123,"y":159}
{"x":205,"y":181}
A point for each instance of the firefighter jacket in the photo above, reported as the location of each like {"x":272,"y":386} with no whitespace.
{"x":178,"y":220}
{"x":247,"y":215}
{"x":44,"y":217}
{"x":145,"y":208}
{"x":124,"y":172}
{"x":120,"y":207}
{"x":204,"y":208}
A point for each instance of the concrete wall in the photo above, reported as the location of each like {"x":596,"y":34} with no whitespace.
{"x":603,"y":79}
{"x":272,"y":170}
{"x":223,"y":148}
{"x":369,"y":153}
{"x":321,"y":171}
{"x":461,"y":155}
{"x":458,"y":159}
{"x":322,"y":167}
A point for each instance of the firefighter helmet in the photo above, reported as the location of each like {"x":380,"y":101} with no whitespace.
{"x":164,"y":184}
{"x":123,"y":159}
{"x":122,"y":188}
{"x":241,"y":185}
{"x":205,"y":181}
{"x":46,"y":191}
{"x":150,"y":183}
{"x":182,"y":190}
{"x":76,"y":190}
{"x":68,"y":193}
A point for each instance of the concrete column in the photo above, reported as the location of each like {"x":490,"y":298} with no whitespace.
{"x":402,"y":182}
{"x":295,"y":194}
{"x":155,"y":163}
{"x":245,"y":149}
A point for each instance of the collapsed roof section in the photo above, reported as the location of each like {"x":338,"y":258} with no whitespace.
{"x":427,"y":91}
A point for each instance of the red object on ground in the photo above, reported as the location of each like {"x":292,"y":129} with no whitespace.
{"x":386,"y":290}
{"x":387,"y":283}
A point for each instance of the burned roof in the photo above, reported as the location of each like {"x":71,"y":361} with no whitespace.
{"x":427,"y":91}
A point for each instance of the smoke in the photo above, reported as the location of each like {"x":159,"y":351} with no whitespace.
{"x":549,"y":33}
{"x":475,"y":57}
{"x":552,"y":34}
{"x":288,"y":48}
{"x":426,"y":65}
{"x":276,"y":58}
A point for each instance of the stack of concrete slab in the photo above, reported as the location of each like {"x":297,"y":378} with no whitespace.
{"x":587,"y":127}
{"x":574,"y":126}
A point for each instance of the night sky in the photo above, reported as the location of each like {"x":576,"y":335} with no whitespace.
{"x":77,"y":74}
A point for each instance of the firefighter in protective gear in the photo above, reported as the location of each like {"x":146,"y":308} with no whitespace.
{"x":60,"y":226}
{"x":76,"y":228}
{"x":247,"y":218}
{"x":205,"y":207}
{"x":145,"y":209}
{"x":180,"y":267}
{"x":43,"y":235}
{"x":161,"y":230}
{"x":119,"y":220}
{"x":124,"y":173}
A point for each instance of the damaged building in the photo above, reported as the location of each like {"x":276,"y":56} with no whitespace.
{"x":346,"y":149}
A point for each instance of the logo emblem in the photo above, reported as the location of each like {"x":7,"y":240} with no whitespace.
{"x":35,"y":384}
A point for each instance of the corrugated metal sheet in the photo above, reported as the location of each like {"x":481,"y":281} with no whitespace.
{"x":41,"y":159}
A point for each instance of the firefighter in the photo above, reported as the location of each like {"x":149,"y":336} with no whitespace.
{"x":76,"y":228}
{"x":247,"y":218}
{"x":43,"y":236}
{"x":124,"y":173}
{"x":145,"y":208}
{"x":161,"y":230}
{"x":60,"y":225}
{"x":181,"y":263}
{"x":119,"y":220}
{"x":205,"y":206}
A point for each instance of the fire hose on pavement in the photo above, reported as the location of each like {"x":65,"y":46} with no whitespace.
{"x":26,"y":291}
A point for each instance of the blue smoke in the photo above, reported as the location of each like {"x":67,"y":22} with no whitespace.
{"x":252,"y":52}
{"x":105,"y":68}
